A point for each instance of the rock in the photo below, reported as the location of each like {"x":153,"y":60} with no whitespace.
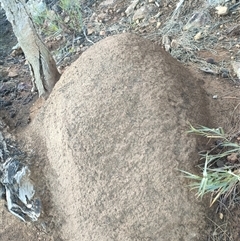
{"x":210,"y":61}
{"x":90,"y":31}
{"x":141,"y":13}
{"x":166,"y":42}
{"x":67,"y":61}
{"x":17,"y":50}
{"x":220,"y":163}
{"x":174,"y":43}
{"x":66,"y":19}
{"x":198,"y":36}
{"x":236,"y":68}
{"x":102,"y":17}
{"x":224,"y":70}
{"x":59,"y":37}
{"x":158,"y":24}
{"x":209,"y":71}
{"x":114,"y":132}
{"x":12,"y":73}
{"x":107,"y":3}
{"x":222,"y":10}
{"x":225,"y":75}
{"x":152,"y":20}
{"x":233,"y":157}
{"x":17,"y":46}
{"x":102,"y":33}
{"x":131,"y":7}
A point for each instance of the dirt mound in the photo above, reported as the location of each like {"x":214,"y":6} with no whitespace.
{"x":115,"y":132}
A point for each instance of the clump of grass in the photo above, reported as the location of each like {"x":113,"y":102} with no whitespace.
{"x":73,"y":17}
{"x":221,"y":182}
{"x":68,"y":19}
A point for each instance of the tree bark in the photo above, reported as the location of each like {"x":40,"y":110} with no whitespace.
{"x":41,"y":63}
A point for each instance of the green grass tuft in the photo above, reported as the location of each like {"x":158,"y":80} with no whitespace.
{"x":222,"y":181}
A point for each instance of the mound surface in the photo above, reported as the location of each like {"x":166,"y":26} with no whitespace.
{"x":115,"y":131}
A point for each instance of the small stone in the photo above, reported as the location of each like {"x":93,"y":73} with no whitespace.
{"x":59,"y":37}
{"x":151,"y":1}
{"x":66,"y":19}
{"x":90,"y":31}
{"x":158,"y":24}
{"x":225,"y":75}
{"x":107,"y":3}
{"x":236,"y":68}
{"x":174,"y":43}
{"x":12,"y":74}
{"x":66,"y":61}
{"x":158,"y":15}
{"x":222,"y":10}
{"x":152,"y":20}
{"x":215,"y":97}
{"x":102,"y":33}
{"x":17,"y":52}
{"x":233,"y":157}
{"x":220,"y":163}
{"x":223,"y":70}
{"x":102,"y":17}
{"x":141,"y":13}
{"x":17,"y":46}
{"x":110,"y":11}
{"x":198,"y":36}
{"x":166,"y":42}
{"x":210,"y":61}
{"x":131,"y":7}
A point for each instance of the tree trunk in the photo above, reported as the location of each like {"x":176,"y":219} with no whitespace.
{"x":41,"y":63}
